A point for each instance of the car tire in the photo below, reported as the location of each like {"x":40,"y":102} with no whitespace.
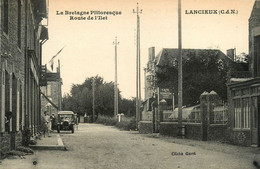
{"x":58,"y":128}
{"x":72,"y":130}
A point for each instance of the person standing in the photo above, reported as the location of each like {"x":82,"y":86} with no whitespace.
{"x":52,"y":121}
{"x":48,"y":123}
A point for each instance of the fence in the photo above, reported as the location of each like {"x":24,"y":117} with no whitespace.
{"x":189,"y":114}
{"x":220,"y":115}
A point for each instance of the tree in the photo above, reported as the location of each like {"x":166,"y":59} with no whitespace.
{"x":205,"y":72}
{"x":80,"y":98}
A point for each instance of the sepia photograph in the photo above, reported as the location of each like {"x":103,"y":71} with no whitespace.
{"x":124,"y":84}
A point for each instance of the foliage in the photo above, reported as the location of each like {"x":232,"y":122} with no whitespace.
{"x":25,"y":149}
{"x":13,"y":152}
{"x":80,"y":99}
{"x":127,"y":107}
{"x":126,"y":123}
{"x":106,"y":120}
{"x":200,"y":73}
{"x":26,"y":135}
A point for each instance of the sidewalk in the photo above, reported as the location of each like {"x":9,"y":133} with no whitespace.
{"x":54,"y":142}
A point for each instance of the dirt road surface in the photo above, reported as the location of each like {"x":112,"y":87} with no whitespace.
{"x":104,"y":147}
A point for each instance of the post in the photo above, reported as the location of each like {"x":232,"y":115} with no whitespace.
{"x":93,"y":101}
{"x":59,"y":87}
{"x":139,"y":68}
{"x":179,"y":69}
{"x":115,"y":85}
{"x":138,"y":88}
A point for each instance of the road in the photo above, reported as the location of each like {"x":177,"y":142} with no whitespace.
{"x":105,"y":147}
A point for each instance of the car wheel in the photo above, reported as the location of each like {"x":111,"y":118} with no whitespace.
{"x":58,"y":128}
{"x":72,"y":130}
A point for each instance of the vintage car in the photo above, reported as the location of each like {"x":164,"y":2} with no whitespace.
{"x":65,"y":121}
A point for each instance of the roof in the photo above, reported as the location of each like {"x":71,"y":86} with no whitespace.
{"x":169,"y":55}
{"x":256,"y":10}
{"x":65,"y":112}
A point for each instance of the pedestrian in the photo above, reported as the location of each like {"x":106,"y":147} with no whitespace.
{"x":77,"y":121}
{"x":52,"y":121}
{"x":48,"y":123}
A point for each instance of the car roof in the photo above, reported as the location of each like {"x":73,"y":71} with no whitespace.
{"x":65,"y":112}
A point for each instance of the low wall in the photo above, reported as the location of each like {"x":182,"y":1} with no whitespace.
{"x":169,"y":129}
{"x":145,"y":127}
{"x":241,"y":137}
{"x":193,"y":131}
{"x":217,"y":132}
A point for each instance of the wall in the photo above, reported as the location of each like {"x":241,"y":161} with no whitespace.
{"x":241,"y":138}
{"x":146,"y":127}
{"x":169,"y":128}
{"x":217,"y":132}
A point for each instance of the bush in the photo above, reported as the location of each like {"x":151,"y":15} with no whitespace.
{"x":106,"y":120}
{"x":15,"y":153}
{"x":126,"y":123}
{"x":26,"y":135}
{"x":25,"y":149}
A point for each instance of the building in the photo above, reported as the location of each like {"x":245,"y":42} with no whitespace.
{"x":244,"y":93}
{"x":51,"y":92}
{"x":21,"y":39}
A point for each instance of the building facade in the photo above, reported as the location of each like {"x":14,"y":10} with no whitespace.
{"x":51,"y":93}
{"x":244,"y":94}
{"x":21,"y":39}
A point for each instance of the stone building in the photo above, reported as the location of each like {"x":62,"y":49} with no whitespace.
{"x":244,"y":93}
{"x":21,"y":39}
{"x":51,"y":93}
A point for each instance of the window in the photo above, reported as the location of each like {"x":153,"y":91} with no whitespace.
{"x":5,"y":28}
{"x":237,"y":111}
{"x":241,"y":113}
{"x":19,"y":24}
{"x":246,"y":115}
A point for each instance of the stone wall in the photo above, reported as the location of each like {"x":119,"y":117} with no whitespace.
{"x":193,"y":131}
{"x":146,"y":127}
{"x":217,"y":132}
{"x":169,"y":128}
{"x":242,"y":138}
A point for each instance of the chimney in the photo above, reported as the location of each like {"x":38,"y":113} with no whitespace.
{"x":151,"y":52}
{"x":231,"y":54}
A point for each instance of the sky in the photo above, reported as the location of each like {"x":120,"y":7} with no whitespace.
{"x":89,"y":49}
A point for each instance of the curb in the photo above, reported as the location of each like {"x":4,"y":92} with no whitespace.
{"x":60,"y":146}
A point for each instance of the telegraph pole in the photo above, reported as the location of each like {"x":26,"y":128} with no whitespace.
{"x":179,"y":69}
{"x":115,"y":85}
{"x":93,"y":101}
{"x":138,"y":84}
{"x":59,"y":86}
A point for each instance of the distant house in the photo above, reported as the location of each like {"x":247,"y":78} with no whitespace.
{"x":244,"y":93}
{"x":167,"y":57}
{"x":51,"y":92}
{"x":155,"y":92}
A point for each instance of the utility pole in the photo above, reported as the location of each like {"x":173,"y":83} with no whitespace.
{"x":138,"y":84}
{"x":115,"y":85}
{"x":59,"y":86}
{"x":179,"y":69}
{"x":93,"y":101}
